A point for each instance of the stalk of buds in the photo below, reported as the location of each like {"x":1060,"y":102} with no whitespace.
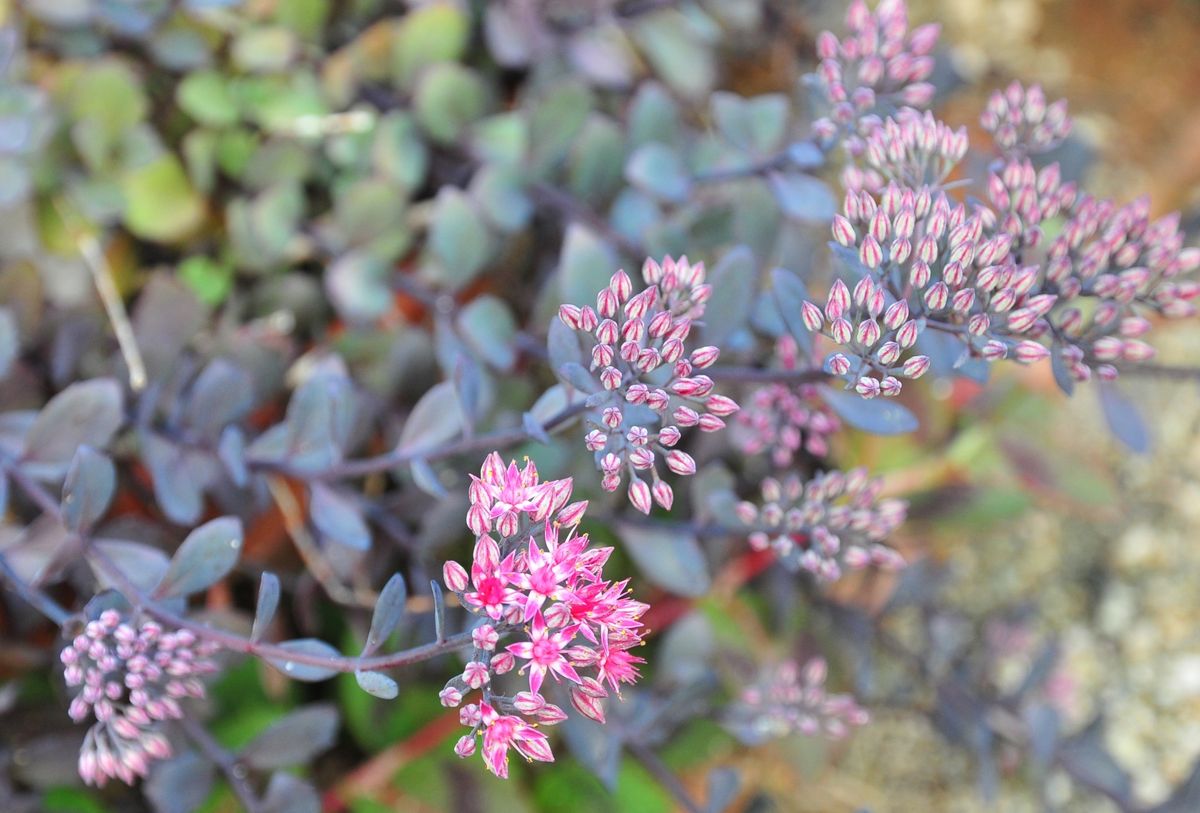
{"x":833,"y":522}
{"x":782,"y":419}
{"x":130,"y":678}
{"x":1021,"y":122}
{"x":880,"y":64}
{"x":787,"y":699}
{"x":650,"y":387}
{"x":543,"y":585}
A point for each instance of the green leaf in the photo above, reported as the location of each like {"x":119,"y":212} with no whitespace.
{"x":448,"y":98}
{"x":490,"y":329}
{"x":432,"y":33}
{"x":735,"y":284}
{"x":160,"y":204}
{"x":670,"y":45}
{"x":264,"y":50}
{"x":501,"y":196}
{"x":458,"y":239}
{"x":208,"y":279}
{"x":397,"y":151}
{"x":756,"y":125}
{"x":585,"y":266}
{"x":657,"y":170}
{"x":435,"y":419}
{"x":803,"y":197}
{"x":205,"y":96}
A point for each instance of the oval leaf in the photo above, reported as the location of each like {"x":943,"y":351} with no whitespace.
{"x":338,"y":517}
{"x":84,"y":414}
{"x":435,"y":419}
{"x":268,"y":603}
{"x":293,"y":739}
{"x":1124,"y":419}
{"x":303,"y":671}
{"x":88,"y":489}
{"x":876,"y":415}
{"x":208,"y":553}
{"x":377,"y":684}
{"x":388,"y":612}
{"x":668,"y":557}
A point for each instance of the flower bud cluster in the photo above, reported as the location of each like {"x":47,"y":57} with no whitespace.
{"x":1022,"y":123}
{"x":1024,"y":199}
{"x":544,"y":586}
{"x":783,"y":419}
{"x":650,"y":387}
{"x":833,"y":522}
{"x":1125,"y":267}
{"x":787,"y":699}
{"x":926,"y":262}
{"x":130,"y":678}
{"x":912,"y":149}
{"x":878,"y":65}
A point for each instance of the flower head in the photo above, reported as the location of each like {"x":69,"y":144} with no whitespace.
{"x":649,"y":386}
{"x":833,"y":522}
{"x":787,"y":699}
{"x":1021,"y":122}
{"x":130,"y":677}
{"x":543,"y":588}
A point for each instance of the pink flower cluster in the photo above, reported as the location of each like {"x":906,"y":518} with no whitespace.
{"x":130,"y":679}
{"x":1021,"y":122}
{"x":787,"y":699}
{"x":833,"y":522}
{"x":984,"y":274}
{"x":543,"y":584}
{"x":928,"y":262}
{"x":1110,"y":267}
{"x":912,"y":149}
{"x":880,"y":64}
{"x":784,"y":418}
{"x":655,"y":387}
{"x":1024,"y":199}
{"x":501,"y":495}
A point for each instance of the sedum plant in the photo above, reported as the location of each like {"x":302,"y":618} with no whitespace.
{"x":280,"y":277}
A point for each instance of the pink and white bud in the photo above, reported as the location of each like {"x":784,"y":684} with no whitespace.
{"x":837,"y":364}
{"x":587,"y":705}
{"x":663,"y":494}
{"x":465,"y":746}
{"x":681,"y":463}
{"x":814,"y":320}
{"x":867,"y":387}
{"x":639,"y":495}
{"x":1028,"y":352}
{"x":916,"y":367}
{"x":454,"y":576}
{"x":451,"y":697}
{"x":721,"y":405}
{"x":476,"y":674}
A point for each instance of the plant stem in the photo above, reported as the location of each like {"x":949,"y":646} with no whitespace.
{"x":665,"y":776}
{"x":235,"y":772}
{"x":229,"y":640}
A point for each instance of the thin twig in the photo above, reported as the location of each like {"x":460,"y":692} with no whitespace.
{"x":766,"y":375}
{"x":396,"y":457}
{"x":37,"y":599}
{"x":235,"y":772}
{"x":574,"y":209}
{"x":229,"y":640}
{"x":310,"y":552}
{"x":102,"y":275}
{"x":665,"y":776}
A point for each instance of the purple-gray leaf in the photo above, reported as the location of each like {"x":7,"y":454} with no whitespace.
{"x":268,"y":603}
{"x":208,"y":553}
{"x":338,"y":517}
{"x":389,"y":609}
{"x":88,"y":489}
{"x":294,"y":739}
{"x":84,"y":414}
